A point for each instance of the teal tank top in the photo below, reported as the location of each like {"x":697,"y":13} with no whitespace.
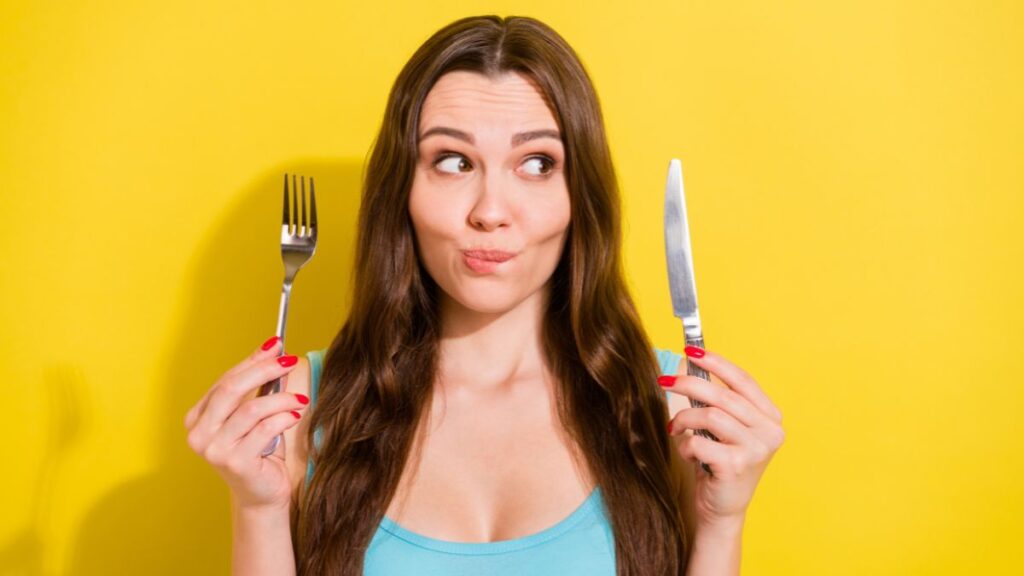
{"x":580,"y":544}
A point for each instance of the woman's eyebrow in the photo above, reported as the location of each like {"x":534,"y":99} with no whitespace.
{"x":517,"y":139}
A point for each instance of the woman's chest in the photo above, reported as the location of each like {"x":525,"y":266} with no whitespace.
{"x":491,"y":473}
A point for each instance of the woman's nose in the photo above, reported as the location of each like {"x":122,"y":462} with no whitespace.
{"x":491,"y":208}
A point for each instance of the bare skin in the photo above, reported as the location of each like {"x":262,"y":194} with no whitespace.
{"x":517,"y":471}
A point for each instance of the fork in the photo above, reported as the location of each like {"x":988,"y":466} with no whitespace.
{"x":298,"y":243}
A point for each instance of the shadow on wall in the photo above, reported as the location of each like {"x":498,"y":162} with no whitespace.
{"x":66,"y":394}
{"x":177,"y":519}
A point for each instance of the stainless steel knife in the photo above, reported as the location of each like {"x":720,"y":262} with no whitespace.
{"x":680,"y":275}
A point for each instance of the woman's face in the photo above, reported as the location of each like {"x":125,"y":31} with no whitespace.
{"x":489,"y":177}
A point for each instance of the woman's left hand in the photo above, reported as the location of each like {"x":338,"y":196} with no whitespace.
{"x":747,"y":424}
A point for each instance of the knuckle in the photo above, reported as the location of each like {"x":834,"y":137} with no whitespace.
{"x":730,"y":396}
{"x":686,"y":445}
{"x":698,"y":388}
{"x":233,"y":386}
{"x":780,"y":437}
{"x":271,"y":369}
{"x":249,"y":409}
{"x":713,"y":393}
{"x":716,"y":416}
{"x":194,"y":442}
{"x":738,"y":462}
{"x":265,"y":427}
{"x":213,"y":455}
{"x":234,"y":465}
{"x":761,"y":452}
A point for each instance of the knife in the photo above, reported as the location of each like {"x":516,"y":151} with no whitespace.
{"x":680,"y":276}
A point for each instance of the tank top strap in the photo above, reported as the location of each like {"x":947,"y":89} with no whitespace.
{"x":668,"y":361}
{"x":316,"y":363}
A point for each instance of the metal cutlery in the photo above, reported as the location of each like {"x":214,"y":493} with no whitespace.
{"x":680,"y":276}
{"x":298,"y":243}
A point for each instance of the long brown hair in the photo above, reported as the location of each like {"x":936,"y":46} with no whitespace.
{"x":379,"y":371}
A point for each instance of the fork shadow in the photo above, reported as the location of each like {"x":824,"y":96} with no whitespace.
{"x":176,"y":520}
{"x":70,"y":417}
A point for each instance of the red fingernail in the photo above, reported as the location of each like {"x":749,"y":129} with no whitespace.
{"x":302,"y":399}
{"x":269,"y":343}
{"x":694,"y":352}
{"x":667,"y":381}
{"x":669,"y":426}
{"x":296,"y":414}
{"x":287,"y":360}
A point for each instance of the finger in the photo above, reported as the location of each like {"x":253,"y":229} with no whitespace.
{"x":193,"y":414}
{"x":253,"y":443}
{"x":696,"y":448}
{"x":714,"y":395}
{"x":726,"y":428}
{"x":254,"y":410}
{"x":229,"y":394}
{"x":737,"y":379}
{"x":269,"y":349}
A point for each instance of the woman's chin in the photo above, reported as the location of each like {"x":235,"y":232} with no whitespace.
{"x":483,"y":303}
{"x":484,"y":306}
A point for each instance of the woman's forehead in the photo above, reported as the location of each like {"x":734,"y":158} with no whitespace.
{"x":474,"y":101}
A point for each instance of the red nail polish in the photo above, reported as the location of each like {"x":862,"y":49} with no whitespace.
{"x":667,"y":381}
{"x":287,"y":360}
{"x":269,"y":343}
{"x":694,"y":352}
{"x":669,"y":426}
{"x":296,"y":414}
{"x":302,"y":399}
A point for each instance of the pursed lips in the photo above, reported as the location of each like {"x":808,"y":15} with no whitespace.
{"x":489,"y":255}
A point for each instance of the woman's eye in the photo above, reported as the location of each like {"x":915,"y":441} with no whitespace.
{"x":452,"y":164}
{"x":539,"y":165}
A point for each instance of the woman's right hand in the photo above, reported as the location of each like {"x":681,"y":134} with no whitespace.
{"x":230,"y":427}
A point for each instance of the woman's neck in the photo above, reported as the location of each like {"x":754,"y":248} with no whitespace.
{"x":492,"y":352}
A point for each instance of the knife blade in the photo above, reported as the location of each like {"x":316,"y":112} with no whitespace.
{"x":682,"y":285}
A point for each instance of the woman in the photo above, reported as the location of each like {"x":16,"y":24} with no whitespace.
{"x":489,"y":406}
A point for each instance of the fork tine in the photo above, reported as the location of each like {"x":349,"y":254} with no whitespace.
{"x":295,"y":208}
{"x":286,"y":218}
{"x":312,"y":207}
{"x":304,"y":230}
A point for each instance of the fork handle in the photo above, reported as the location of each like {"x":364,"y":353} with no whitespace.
{"x":274,"y":386}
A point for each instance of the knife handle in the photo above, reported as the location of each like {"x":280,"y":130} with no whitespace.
{"x":694,"y":370}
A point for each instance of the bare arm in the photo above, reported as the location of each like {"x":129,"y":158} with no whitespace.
{"x":261,"y":542}
{"x":713,"y":550}
{"x":747,"y":429}
{"x":229,"y":427}
{"x":716,"y":552}
{"x":262,"y":539}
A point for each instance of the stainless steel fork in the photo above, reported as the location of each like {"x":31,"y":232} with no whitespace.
{"x":298,"y":243}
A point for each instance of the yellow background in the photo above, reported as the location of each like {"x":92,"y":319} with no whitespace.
{"x":853,"y":175}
